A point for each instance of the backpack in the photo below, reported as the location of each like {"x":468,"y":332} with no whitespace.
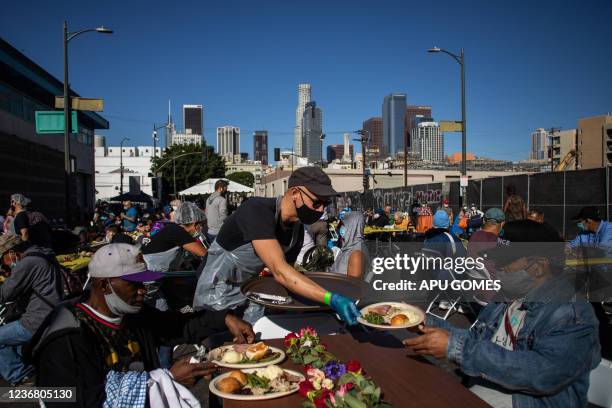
{"x":71,"y":282}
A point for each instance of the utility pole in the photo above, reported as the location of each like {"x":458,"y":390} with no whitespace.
{"x":406,"y":138}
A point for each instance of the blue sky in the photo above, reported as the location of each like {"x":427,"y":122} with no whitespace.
{"x":529,"y":64}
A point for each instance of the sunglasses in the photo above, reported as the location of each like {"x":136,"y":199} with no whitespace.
{"x":316,"y":203}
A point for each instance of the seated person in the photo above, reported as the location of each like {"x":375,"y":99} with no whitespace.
{"x":35,"y":288}
{"x":351,"y":260}
{"x":379,"y":219}
{"x":114,"y":235}
{"x":110,"y":334}
{"x":535,"y":348}
{"x":400,"y":221}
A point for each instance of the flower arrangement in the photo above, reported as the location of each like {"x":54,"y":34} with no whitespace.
{"x":330,"y":383}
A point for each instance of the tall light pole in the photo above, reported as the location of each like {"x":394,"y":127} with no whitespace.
{"x":364,"y":140}
{"x":68,"y":107}
{"x":461,"y":61}
{"x":121,"y":164}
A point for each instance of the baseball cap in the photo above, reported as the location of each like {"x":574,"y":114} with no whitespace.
{"x":495,"y":214}
{"x":587,"y":212}
{"x":440,"y":219}
{"x":526,"y":238}
{"x":314,"y":179}
{"x":121,"y":261}
{"x":8,"y":242}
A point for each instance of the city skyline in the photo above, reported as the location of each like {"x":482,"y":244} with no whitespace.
{"x":507,"y":70}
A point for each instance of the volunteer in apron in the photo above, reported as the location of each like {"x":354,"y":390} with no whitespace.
{"x":268,"y":232}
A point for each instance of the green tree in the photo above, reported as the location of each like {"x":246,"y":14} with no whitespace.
{"x":243,"y":177}
{"x":193,"y":164}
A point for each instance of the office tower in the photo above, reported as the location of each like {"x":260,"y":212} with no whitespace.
{"x":539,"y":144}
{"x":411,"y":112}
{"x":312,"y":129}
{"x":594,"y":136}
{"x":374,"y":130}
{"x":394,"y":113}
{"x":336,"y":152}
{"x":260,"y":146}
{"x":427,"y":140}
{"x":347,"y":156}
{"x":193,"y":119}
{"x":304,"y":96}
{"x":228,"y":141}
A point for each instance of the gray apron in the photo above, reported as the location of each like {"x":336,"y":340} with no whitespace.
{"x":225,"y":271}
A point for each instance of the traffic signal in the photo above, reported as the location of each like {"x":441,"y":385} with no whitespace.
{"x":277,"y":156}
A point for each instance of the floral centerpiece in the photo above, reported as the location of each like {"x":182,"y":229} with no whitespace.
{"x":330,"y":383}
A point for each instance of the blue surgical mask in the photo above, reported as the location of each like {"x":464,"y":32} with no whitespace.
{"x":581,"y":227}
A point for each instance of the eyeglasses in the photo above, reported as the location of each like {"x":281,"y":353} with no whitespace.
{"x":316,"y":203}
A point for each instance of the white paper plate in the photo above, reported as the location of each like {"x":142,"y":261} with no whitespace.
{"x":212,"y":357}
{"x":400,"y":305}
{"x":213,"y":388}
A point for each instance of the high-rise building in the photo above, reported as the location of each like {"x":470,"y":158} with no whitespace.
{"x":411,"y":112}
{"x":186,"y":138}
{"x":228,"y":141}
{"x":540,"y":144}
{"x":193,"y":119}
{"x":563,"y":144}
{"x":593,"y":141}
{"x":260,"y":146}
{"x":374,"y":130}
{"x":336,"y":152}
{"x":393,"y":115}
{"x":427,"y":140}
{"x":304,"y":96}
{"x":312,"y":129}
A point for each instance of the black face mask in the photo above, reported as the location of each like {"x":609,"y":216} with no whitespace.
{"x":307,"y":215}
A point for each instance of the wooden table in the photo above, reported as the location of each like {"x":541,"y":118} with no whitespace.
{"x":405,"y":380}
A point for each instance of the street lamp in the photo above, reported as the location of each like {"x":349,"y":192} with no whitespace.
{"x":68,"y":106}
{"x":363,"y":139}
{"x":322,"y":137}
{"x":121,"y":164}
{"x":461,"y":61}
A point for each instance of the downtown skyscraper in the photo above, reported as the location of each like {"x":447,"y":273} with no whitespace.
{"x":312,"y":129}
{"x":393,"y":116}
{"x":304,"y":96}
{"x":193,"y":120}
{"x":228,"y":141}
{"x":260,"y":146}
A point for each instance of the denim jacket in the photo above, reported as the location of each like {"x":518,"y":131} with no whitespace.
{"x":557,"y":348}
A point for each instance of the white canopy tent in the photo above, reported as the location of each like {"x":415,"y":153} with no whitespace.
{"x":208,"y":187}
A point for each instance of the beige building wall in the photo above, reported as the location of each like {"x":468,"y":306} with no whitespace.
{"x":564,"y":142}
{"x":590,"y":141}
{"x":344,"y":180}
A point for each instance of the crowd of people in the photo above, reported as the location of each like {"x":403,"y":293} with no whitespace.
{"x":162,"y":277}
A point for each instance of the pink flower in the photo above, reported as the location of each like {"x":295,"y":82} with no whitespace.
{"x":308,"y":330}
{"x":353,"y":366}
{"x":315,"y":373}
{"x":344,"y":388}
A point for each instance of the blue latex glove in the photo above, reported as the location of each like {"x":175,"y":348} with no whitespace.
{"x":345,"y":307}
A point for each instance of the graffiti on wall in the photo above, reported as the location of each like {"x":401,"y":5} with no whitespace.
{"x":397,"y":198}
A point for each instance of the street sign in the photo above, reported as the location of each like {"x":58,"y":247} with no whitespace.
{"x":450,"y":126}
{"x":463,"y":181}
{"x":84,"y":104}
{"x":53,"y":122}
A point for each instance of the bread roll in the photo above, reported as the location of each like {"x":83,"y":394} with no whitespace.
{"x":257,"y":351}
{"x":399,"y":320}
{"x":240,"y":376}
{"x":229,"y":385}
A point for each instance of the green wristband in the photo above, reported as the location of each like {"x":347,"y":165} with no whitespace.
{"x":327,"y":298}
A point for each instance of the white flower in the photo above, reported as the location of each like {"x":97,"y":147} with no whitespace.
{"x":327,"y":384}
{"x":316,"y":384}
{"x":307,"y":343}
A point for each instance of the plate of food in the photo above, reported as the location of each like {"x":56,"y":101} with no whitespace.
{"x":255,"y":384}
{"x":246,"y":355}
{"x":391,"y":315}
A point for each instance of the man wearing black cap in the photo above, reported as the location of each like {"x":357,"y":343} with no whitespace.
{"x":593,"y":231}
{"x":537,"y":347}
{"x":268,"y":232}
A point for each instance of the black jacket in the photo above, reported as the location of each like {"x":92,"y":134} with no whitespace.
{"x":66,"y":353}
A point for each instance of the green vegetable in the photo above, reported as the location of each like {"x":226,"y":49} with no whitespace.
{"x":263,"y":360}
{"x":256,"y":381}
{"x":374,"y":318}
